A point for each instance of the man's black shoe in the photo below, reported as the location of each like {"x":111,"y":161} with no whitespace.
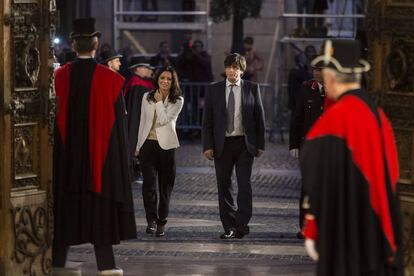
{"x":242,"y":231}
{"x":230,"y":234}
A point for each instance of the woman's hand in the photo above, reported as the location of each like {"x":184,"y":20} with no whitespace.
{"x":158,"y":96}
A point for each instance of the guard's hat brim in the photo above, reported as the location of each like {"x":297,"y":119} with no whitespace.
{"x":110,"y":58}
{"x":142,"y":65}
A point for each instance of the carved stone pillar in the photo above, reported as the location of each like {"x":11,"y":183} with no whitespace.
{"x":391,"y":52}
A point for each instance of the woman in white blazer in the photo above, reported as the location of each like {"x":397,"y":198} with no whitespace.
{"x":157,"y":141}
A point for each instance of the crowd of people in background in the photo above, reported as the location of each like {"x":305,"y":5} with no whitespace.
{"x":193,"y":63}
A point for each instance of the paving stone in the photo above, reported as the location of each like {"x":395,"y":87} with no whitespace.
{"x":194,"y":224}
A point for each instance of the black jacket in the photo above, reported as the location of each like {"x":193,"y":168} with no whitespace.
{"x":214,"y":118}
{"x":309,"y":106}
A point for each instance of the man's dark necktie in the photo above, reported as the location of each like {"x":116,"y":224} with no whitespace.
{"x":230,"y":111}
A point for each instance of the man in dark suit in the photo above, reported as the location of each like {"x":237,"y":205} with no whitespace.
{"x":233,"y":134}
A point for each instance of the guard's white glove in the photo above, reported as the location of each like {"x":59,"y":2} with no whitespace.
{"x":294,"y":153}
{"x":311,"y":250}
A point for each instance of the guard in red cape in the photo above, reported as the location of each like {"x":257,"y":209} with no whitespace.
{"x":135,"y":88}
{"x":350,"y":170}
{"x":92,"y":191}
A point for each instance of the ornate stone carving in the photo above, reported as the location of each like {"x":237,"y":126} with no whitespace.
{"x":32,"y":57}
{"x":26,"y":155}
{"x":32,"y":238}
{"x":52,"y":95}
{"x":407,"y":212}
{"x":399,"y":66}
{"x":27,"y":18}
{"x":396,"y":68}
{"x":405,"y":152}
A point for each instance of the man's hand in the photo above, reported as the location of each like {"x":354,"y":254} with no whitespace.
{"x":311,"y":250}
{"x":136,"y":153}
{"x":259,"y":152}
{"x":294,"y":153}
{"x":209,"y":154}
{"x":157,"y":96}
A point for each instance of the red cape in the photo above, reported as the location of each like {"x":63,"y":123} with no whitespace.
{"x":137,"y":81}
{"x":105,"y":88}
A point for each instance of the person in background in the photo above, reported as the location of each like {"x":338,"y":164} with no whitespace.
{"x":254,"y":63}
{"x":134,"y":89}
{"x":310,"y":53}
{"x":111,"y":59}
{"x":163,"y":58}
{"x":156,"y":144}
{"x":127,"y":54}
{"x":91,"y":183}
{"x":233,"y":134}
{"x":202,"y":71}
{"x":350,"y":171}
{"x":194,"y":63}
{"x":311,"y":102}
{"x":297,"y":76}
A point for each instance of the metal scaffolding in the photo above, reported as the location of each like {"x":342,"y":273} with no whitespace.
{"x":165,"y":21}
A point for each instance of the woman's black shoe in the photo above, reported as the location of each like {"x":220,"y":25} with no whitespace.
{"x":160,"y":231}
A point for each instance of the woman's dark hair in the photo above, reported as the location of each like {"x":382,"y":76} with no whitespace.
{"x":175,"y":91}
{"x":236,"y":60}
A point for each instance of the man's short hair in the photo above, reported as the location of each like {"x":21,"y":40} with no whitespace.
{"x":84,"y":44}
{"x":248,"y":40}
{"x":235,"y":60}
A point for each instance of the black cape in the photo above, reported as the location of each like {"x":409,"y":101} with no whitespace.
{"x":92,"y":192}
{"x":350,"y":171}
{"x":134,"y":91}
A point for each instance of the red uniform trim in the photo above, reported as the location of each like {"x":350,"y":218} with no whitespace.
{"x":106,"y":87}
{"x":310,"y":229}
{"x":351,"y":120}
{"x":137,"y":81}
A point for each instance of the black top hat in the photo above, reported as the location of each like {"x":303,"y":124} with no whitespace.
{"x":108,"y":55}
{"x":69,"y":56}
{"x":138,"y":62}
{"x":84,"y":27}
{"x":344,"y":56}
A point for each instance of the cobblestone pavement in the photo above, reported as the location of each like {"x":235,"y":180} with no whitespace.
{"x":192,"y":245}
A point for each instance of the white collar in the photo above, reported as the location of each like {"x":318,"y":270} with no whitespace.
{"x":84,"y":57}
{"x":320,"y":86}
{"x":237,"y":83}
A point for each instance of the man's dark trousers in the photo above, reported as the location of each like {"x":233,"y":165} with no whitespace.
{"x":235,"y":154}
